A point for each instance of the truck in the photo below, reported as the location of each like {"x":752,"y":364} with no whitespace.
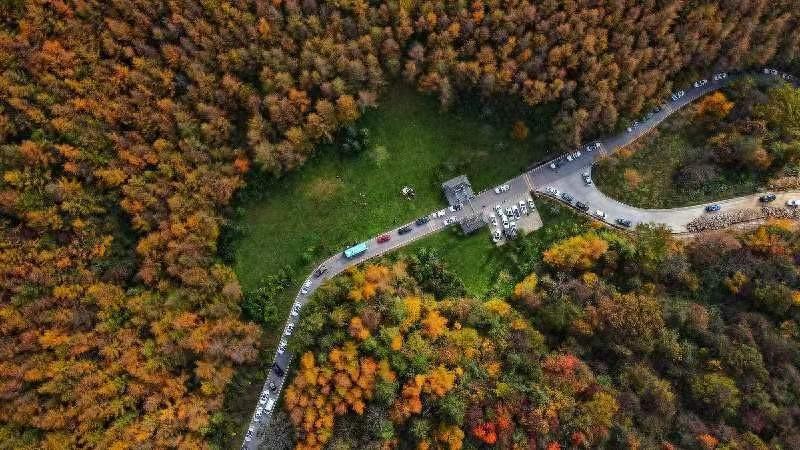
{"x":355,"y":250}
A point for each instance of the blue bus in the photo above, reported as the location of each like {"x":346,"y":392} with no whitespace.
{"x":356,"y":250}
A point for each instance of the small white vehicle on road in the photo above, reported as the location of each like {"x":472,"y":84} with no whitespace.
{"x":600,"y":214}
{"x":793,"y":203}
{"x":552,"y":191}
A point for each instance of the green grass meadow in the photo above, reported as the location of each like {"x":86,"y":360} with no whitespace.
{"x":337,"y":199}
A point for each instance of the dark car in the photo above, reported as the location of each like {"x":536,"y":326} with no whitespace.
{"x":277,"y":369}
{"x":766,"y":198}
{"x":423,"y":220}
{"x":404,"y":229}
{"x":320,"y":270}
{"x":582,"y":206}
{"x":566,"y":197}
{"x":624,"y":222}
{"x":713,"y":208}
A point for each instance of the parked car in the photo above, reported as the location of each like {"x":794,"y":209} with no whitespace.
{"x":320,"y":270}
{"x":441,"y":213}
{"x":383,"y":238}
{"x":600,"y":214}
{"x":531,"y":205}
{"x":553,"y":166}
{"x":505,"y":223}
{"x":304,"y":290}
{"x":404,"y":230}
{"x":566,"y":197}
{"x":569,"y":157}
{"x":713,"y":208}
{"x":629,"y":129}
{"x":295,"y":309}
{"x":276,"y":369}
{"x":515,"y":211}
{"x":552,"y":191}
{"x":505,"y":188}
{"x":493,"y":219}
{"x":587,"y":179}
{"x":793,"y":203}
{"x":496,"y":236}
{"x":270,"y":404}
{"x":272,"y":387}
{"x":289,"y":329}
{"x":497,"y":190}
{"x":422,"y":220}
{"x":766,"y":198}
{"x":623,"y":222}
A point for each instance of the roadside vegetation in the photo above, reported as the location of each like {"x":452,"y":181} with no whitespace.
{"x":613,"y":341}
{"x":487,"y":270}
{"x":730,"y":143}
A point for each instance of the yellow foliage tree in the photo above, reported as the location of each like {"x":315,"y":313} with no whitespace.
{"x":576,"y":253}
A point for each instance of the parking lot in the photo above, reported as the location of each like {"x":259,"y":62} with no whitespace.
{"x":511,"y":216}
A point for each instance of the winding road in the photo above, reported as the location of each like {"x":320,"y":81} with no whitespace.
{"x":567,"y":177}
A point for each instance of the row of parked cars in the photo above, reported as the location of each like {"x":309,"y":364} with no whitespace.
{"x":507,"y":218}
{"x":766,"y":198}
{"x":599,"y":214}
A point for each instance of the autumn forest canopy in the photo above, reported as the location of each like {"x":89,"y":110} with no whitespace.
{"x":127,"y":128}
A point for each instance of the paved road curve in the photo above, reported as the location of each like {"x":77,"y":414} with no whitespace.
{"x":566,"y":178}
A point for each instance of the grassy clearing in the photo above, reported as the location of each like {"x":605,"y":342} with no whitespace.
{"x":337,"y":199}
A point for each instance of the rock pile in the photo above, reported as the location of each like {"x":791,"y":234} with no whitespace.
{"x":734,"y":216}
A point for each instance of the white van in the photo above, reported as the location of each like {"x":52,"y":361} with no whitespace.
{"x":270,"y":404}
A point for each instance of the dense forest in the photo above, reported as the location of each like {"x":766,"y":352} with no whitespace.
{"x":616,"y":342}
{"x":126,"y":127}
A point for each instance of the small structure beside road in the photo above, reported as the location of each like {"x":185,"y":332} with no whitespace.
{"x":458,"y":190}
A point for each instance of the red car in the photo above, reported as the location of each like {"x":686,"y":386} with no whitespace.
{"x":383,"y":238}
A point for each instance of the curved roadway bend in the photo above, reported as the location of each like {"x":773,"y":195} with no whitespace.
{"x":567,"y":178}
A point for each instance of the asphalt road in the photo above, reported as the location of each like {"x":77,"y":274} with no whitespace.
{"x":566,"y":178}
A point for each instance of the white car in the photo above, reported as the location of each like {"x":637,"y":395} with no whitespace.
{"x":496,"y":236}
{"x":552,"y":191}
{"x":793,"y":203}
{"x":304,"y":290}
{"x":505,"y":223}
{"x":497,"y":190}
{"x":441,"y":213}
{"x":493,"y":219}
{"x":629,"y":129}
{"x":600,"y":214}
{"x":505,"y":188}
{"x":452,"y":208}
{"x":282,"y":347}
{"x":577,"y":154}
{"x":513,"y":225}
{"x":289,"y":329}
{"x":553,"y":166}
{"x":531,"y":205}
{"x":569,"y":158}
{"x":270,"y":404}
